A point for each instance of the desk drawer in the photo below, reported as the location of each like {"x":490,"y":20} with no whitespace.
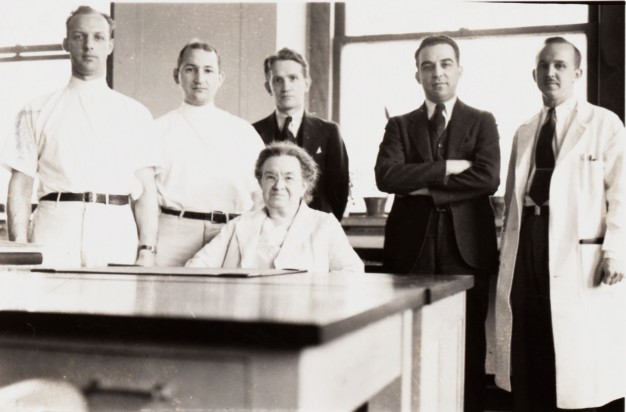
{"x":115,"y":380}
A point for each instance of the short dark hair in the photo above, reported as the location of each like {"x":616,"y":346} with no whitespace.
{"x":434,"y":40}
{"x":196,"y":44}
{"x":89,"y":10}
{"x":560,"y":40}
{"x":286,"y":54}
{"x":310,"y":170}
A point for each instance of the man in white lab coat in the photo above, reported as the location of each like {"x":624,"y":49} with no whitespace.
{"x":561,"y":298}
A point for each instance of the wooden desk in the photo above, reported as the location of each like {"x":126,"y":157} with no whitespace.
{"x":303,"y":341}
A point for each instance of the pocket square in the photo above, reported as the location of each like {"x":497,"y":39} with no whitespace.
{"x":319,"y":150}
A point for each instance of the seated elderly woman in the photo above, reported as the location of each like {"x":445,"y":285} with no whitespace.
{"x":286,"y":233}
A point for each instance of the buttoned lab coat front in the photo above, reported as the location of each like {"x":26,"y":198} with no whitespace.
{"x":587,"y":202}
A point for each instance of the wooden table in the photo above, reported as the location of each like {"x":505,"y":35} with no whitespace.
{"x":301,"y":341}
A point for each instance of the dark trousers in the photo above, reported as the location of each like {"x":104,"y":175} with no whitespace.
{"x":532,"y":351}
{"x":440,"y":255}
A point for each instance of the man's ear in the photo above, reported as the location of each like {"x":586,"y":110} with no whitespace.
{"x":417,"y":77}
{"x":65,"y":45}
{"x":579,"y":73}
{"x":535,"y":75}
{"x":175,"y":75}
{"x":268,"y":88}
{"x":111,"y":43}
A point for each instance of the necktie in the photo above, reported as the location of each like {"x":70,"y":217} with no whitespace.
{"x":544,"y":161}
{"x":287,"y":135}
{"x":437,"y":126}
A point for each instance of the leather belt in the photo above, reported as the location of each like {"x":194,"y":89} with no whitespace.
{"x":88,"y":197}
{"x":215,"y":216}
{"x":536,"y":210}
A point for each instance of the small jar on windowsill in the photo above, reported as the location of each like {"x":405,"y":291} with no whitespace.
{"x":375,"y":205}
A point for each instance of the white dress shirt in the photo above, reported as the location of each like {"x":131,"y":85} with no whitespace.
{"x":564,"y":116}
{"x":447,"y":111}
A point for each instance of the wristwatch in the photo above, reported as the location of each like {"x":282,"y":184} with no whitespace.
{"x":150,"y":248}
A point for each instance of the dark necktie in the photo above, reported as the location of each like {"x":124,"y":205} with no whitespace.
{"x":287,"y":135}
{"x":437,"y":126}
{"x":544,"y":161}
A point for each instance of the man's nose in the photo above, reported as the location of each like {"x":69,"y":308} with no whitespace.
{"x":88,"y":43}
{"x":438,"y":71}
{"x":199,"y":77}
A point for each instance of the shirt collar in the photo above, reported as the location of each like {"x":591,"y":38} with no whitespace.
{"x":447,"y":113}
{"x":79,"y":84}
{"x":296,"y":120}
{"x":563,"y":110}
{"x":190,"y":109}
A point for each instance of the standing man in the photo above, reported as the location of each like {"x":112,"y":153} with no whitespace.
{"x":442,"y":162}
{"x":288,"y":81}
{"x":561,"y":298}
{"x":207,"y":176}
{"x":90,"y":147}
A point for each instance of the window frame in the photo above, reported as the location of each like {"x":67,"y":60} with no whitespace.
{"x":340,"y":40}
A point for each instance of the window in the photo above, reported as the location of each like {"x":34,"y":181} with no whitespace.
{"x":396,"y":17}
{"x":377,"y":68}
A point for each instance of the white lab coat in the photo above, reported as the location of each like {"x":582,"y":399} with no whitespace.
{"x":315,"y":242}
{"x":587,"y":201}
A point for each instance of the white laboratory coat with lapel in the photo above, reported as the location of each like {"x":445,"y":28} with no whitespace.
{"x":315,"y":242}
{"x":587,"y":201}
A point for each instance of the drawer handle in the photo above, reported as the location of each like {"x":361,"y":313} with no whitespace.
{"x":156,"y":393}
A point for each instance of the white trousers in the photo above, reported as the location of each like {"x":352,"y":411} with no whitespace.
{"x":180,"y":238}
{"x":84,"y":234}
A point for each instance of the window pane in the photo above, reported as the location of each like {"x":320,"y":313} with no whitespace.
{"x":393,"y":17}
{"x":380,"y":77}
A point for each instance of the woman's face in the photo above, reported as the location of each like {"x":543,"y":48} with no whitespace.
{"x":282,"y":184}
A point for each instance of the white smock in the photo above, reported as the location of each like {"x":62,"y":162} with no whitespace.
{"x":84,"y":138}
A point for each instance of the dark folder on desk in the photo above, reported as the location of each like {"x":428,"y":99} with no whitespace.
{"x":172,"y":271}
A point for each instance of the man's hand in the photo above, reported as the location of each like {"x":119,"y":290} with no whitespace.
{"x":454,"y":167}
{"x":145,"y":258}
{"x":611,"y":271}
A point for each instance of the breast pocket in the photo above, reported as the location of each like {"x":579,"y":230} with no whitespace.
{"x":592,"y":175}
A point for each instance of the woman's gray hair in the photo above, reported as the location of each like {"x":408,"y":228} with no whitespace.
{"x":310,"y":171}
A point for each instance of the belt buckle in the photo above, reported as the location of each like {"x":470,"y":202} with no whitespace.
{"x":90,"y":197}
{"x":218,"y":213}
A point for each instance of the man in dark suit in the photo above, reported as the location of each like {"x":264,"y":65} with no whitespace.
{"x":288,"y":81}
{"x":442,"y":162}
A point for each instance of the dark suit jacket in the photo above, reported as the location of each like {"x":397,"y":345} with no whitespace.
{"x":322,"y":140}
{"x":405,"y":163}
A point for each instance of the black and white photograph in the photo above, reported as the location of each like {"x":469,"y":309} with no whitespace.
{"x":358,"y":205}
